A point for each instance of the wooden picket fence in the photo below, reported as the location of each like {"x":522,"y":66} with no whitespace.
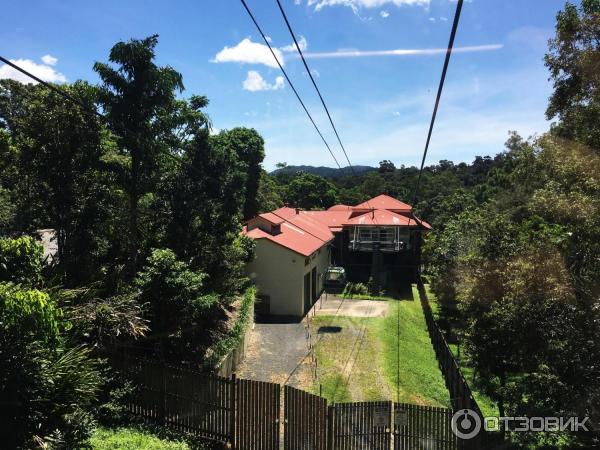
{"x":252,"y":415}
{"x":417,"y":426}
{"x":180,"y":399}
{"x":461,"y":395}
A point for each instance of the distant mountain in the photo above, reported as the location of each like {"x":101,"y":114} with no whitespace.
{"x":329,"y":172}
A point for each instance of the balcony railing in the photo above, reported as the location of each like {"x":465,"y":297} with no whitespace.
{"x":384,"y":246}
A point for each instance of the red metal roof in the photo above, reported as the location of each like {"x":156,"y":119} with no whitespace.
{"x":339,"y":208}
{"x":276,"y":220}
{"x":292,"y":237}
{"x":384,"y":202}
{"x":329,"y":218}
{"x":380,"y":217}
{"x":304,"y":232}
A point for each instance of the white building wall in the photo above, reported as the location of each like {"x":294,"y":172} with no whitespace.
{"x":279,"y":273}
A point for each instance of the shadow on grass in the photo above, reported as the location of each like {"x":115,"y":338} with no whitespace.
{"x":329,"y":329}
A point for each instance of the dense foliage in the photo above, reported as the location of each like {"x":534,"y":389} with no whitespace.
{"x":146,"y":207}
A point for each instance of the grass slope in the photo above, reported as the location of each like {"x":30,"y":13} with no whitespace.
{"x":359,"y":361}
{"x":131,"y":439}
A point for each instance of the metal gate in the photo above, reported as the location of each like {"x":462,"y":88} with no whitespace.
{"x":417,"y":427}
{"x":257,"y":415}
{"x":360,"y":426}
{"x":305,"y":420}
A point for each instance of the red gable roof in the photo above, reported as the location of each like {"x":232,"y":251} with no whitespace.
{"x":380,"y":217}
{"x":304,"y":232}
{"x":291,"y":237}
{"x":301,"y":234}
{"x":384,"y":202}
{"x":274,"y":219}
{"x":339,"y":208}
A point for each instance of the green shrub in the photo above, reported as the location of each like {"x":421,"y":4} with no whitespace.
{"x":132,"y":439}
{"x":21,"y":261}
{"x":224,"y":346}
{"x":177,"y":304}
{"x":47,"y":389}
{"x":355,"y":289}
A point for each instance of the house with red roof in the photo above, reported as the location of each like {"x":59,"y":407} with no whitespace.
{"x":294,"y":249}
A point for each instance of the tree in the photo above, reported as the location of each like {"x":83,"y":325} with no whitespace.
{"x":178,"y":305}
{"x":139,"y":100}
{"x":61,"y":182}
{"x":572,"y":59}
{"x":386,"y":166}
{"x":310,"y":191}
{"x":248,"y":145}
{"x":269,"y":193}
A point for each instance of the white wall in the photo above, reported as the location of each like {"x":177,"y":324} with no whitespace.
{"x":279,"y":273}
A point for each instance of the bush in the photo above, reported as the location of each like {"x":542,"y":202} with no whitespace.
{"x":21,"y":261}
{"x":47,"y":389}
{"x":355,"y":289}
{"x":132,"y":439}
{"x":177,"y":305}
{"x":224,"y":346}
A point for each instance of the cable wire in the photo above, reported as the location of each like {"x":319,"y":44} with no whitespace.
{"x":314,"y":83}
{"x":289,"y":81}
{"x":459,"y":5}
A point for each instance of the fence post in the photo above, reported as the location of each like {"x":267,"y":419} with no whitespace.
{"x":163,"y":396}
{"x":232,"y":411}
{"x":330,"y":437}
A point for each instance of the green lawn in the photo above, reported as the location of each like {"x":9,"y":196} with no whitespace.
{"x":359,"y":362}
{"x":487,"y":406}
{"x":131,"y":439}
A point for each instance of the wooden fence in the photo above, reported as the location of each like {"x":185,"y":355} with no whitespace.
{"x":358,"y":426}
{"x":417,"y":427}
{"x":304,"y":420}
{"x":248,"y":414}
{"x":180,"y":399}
{"x":460,"y":393}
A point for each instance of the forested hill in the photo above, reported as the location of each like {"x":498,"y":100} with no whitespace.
{"x":329,"y":172}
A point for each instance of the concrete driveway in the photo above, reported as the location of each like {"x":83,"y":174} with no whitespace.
{"x":278,"y":352}
{"x":331,"y":305}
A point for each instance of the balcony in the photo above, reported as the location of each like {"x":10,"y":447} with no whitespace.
{"x":384,"y":239}
{"x":384,"y":246}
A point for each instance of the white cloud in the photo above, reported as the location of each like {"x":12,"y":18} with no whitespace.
{"x":384,"y":14}
{"x":255,"y":82}
{"x":292,"y":47}
{"x":443,"y":19}
{"x":432,"y":19}
{"x":248,"y":52}
{"x":42,"y":71}
{"x":396,"y":113}
{"x":355,"y":5}
{"x":49,"y":60}
{"x":352,"y":53}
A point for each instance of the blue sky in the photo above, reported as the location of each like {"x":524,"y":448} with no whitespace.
{"x":381,"y":104}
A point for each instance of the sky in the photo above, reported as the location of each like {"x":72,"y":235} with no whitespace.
{"x":376,"y":62}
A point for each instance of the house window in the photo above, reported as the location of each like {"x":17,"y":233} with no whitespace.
{"x":367,"y":234}
{"x":386,"y":234}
